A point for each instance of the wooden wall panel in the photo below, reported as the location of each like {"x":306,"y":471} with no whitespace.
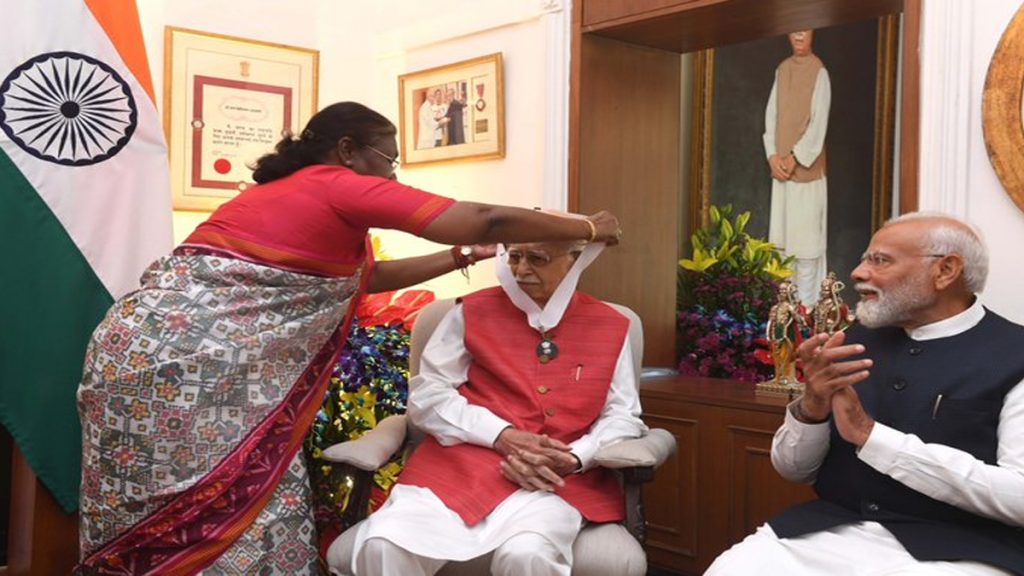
{"x":910,"y":104}
{"x":43,"y":539}
{"x":689,"y":26}
{"x":672,"y":525}
{"x":628,"y":154}
{"x":724,"y":432}
{"x":758,"y":492}
{"x":597,"y":11}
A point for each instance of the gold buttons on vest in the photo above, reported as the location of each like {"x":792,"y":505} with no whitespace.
{"x":550,"y":412}
{"x":543,"y":389}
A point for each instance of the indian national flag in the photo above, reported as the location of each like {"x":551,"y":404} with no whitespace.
{"x":84,"y":208}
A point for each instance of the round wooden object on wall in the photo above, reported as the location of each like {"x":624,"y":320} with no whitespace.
{"x":1001,"y":109}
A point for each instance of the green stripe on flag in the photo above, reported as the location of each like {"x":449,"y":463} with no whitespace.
{"x":50,"y":302}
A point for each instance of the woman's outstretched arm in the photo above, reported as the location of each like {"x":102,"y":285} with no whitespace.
{"x":484,"y":225}
{"x":475,"y":223}
{"x":405,"y":272}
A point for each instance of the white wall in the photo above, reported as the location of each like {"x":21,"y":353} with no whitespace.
{"x":418,"y":35}
{"x":958,"y":40}
{"x":364,"y":47}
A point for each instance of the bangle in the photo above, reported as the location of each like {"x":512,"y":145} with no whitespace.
{"x":593,"y":229}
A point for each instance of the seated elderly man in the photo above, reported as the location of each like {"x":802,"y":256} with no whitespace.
{"x":911,"y":425}
{"x":518,"y":388}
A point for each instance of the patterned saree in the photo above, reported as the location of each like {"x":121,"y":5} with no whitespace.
{"x":197,"y":393}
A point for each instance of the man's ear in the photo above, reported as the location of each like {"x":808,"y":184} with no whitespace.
{"x":950,"y":269}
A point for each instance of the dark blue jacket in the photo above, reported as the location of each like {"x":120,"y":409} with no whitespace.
{"x":972,"y":372}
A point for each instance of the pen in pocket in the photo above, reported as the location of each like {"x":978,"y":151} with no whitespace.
{"x":935,"y":409}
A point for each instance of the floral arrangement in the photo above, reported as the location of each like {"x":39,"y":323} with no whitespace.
{"x":725,"y":293}
{"x":368,"y":384}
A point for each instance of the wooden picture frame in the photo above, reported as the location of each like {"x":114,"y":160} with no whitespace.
{"x":453,"y":112}
{"x":227,"y":101}
{"x":1001,"y":109}
{"x":727,"y":160}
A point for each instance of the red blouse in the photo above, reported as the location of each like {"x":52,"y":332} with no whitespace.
{"x":316,"y":219}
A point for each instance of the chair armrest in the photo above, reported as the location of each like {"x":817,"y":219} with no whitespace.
{"x":650,"y":450}
{"x":373,"y":449}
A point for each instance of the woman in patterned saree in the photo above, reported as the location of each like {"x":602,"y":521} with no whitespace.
{"x":199,"y":388}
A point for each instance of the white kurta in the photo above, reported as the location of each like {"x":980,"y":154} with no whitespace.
{"x":941,"y":472}
{"x":428,"y":124}
{"x":799,"y":210}
{"x":440,"y":111}
{"x":418,"y":521}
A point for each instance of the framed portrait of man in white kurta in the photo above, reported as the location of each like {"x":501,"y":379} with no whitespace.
{"x":798,"y":129}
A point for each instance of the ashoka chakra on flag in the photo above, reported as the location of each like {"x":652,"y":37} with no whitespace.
{"x":67,"y":108}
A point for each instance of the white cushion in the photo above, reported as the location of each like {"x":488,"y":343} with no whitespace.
{"x":650,"y":450}
{"x":374,"y":448}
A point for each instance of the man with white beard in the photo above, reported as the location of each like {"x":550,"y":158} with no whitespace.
{"x":910,"y":426}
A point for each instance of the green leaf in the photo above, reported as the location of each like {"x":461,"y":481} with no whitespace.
{"x":741,"y":221}
{"x":727,"y":230}
{"x":749,"y":252}
{"x":726,"y":251}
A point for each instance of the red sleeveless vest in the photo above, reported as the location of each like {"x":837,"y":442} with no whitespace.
{"x":507,"y":378}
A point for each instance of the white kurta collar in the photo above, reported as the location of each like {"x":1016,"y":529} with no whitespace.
{"x":951,"y":326}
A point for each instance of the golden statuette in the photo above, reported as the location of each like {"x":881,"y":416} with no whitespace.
{"x":831,"y":314}
{"x":789,"y":320}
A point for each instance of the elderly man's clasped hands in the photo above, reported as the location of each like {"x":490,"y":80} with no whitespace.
{"x":534,"y":461}
{"x":830,"y":371}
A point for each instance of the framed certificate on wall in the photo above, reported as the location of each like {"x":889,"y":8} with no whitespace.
{"x":228,"y":101}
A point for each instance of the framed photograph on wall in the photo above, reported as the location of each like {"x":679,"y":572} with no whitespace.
{"x":734,"y":87}
{"x":453,"y":112}
{"x":228,"y":101}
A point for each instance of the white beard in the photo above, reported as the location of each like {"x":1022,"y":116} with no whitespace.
{"x":896,"y":305}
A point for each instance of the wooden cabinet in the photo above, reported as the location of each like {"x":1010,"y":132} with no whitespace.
{"x":720,"y":485}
